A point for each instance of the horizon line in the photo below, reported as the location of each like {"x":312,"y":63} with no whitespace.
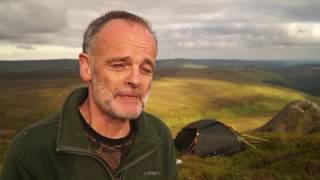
{"x":165,"y":59}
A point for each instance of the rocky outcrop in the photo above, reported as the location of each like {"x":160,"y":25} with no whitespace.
{"x":299,"y":116}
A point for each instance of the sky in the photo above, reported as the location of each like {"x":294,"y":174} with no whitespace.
{"x":198,"y":29}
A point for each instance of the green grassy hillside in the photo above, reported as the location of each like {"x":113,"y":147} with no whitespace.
{"x":285,"y":156}
{"x":237,"y":97}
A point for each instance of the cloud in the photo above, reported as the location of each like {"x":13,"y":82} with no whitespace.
{"x":25,"y":46}
{"x":185,"y":28}
{"x":21,"y":18}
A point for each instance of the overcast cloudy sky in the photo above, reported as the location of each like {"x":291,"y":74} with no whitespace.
{"x":237,"y":29}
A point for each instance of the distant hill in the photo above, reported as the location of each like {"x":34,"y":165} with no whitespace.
{"x":61,"y":65}
{"x":300,"y":75}
{"x":58,"y":65}
{"x":207,"y":63}
{"x":38,"y":69}
{"x":210,"y":63}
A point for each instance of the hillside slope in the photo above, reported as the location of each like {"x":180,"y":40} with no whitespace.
{"x":243,"y":96}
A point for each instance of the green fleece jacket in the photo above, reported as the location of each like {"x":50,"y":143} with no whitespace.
{"x":57,"y":148}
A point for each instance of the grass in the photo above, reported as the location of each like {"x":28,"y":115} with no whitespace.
{"x":285,"y":156}
{"x":240,"y":99}
{"x":3,"y":149}
{"x":23,"y":102}
{"x":182,"y":100}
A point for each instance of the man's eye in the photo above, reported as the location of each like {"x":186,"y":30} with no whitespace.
{"x":147,"y":70}
{"x":118,"y":66}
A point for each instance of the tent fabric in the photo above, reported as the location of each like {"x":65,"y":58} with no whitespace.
{"x":185,"y":139}
{"x":200,"y":124}
{"x":208,"y":138}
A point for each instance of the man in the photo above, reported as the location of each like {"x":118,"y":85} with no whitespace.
{"x":101,"y":132}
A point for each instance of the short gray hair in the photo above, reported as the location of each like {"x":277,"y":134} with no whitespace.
{"x":96,"y":25}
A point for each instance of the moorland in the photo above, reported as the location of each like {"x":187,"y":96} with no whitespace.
{"x":242,"y":94}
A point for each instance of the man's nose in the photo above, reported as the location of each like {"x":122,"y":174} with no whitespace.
{"x":134,"y":78}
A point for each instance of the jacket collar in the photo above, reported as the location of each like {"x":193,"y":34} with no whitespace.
{"x":71,"y":136}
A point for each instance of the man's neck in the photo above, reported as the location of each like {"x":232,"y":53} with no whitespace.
{"x":102,"y":123}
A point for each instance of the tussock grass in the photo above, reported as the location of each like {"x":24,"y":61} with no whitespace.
{"x":286,"y":156}
{"x":23,"y":102}
{"x":3,"y":149}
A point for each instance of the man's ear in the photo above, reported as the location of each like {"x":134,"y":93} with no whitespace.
{"x":85,"y":70}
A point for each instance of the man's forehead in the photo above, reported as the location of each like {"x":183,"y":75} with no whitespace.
{"x":122,"y":27}
{"x":119,"y":32}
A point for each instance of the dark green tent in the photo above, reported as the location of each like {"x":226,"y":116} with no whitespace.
{"x":208,"y":138}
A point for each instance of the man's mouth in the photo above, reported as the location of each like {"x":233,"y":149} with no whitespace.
{"x":129,"y":97}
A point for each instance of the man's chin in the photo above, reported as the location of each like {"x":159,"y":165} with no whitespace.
{"x":126,"y":115}
{"x":127,"y":112}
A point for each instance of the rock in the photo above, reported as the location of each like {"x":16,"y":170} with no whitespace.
{"x":298,"y":116}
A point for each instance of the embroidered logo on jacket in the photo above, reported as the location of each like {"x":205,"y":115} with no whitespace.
{"x":151,"y":173}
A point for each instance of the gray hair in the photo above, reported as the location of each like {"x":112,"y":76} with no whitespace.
{"x":96,"y":25}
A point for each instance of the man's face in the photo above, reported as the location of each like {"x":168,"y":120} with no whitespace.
{"x":122,"y":63}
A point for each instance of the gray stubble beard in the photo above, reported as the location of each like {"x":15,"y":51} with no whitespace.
{"x":106,"y":105}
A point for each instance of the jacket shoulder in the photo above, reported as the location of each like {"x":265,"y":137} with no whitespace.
{"x":155,"y":124}
{"x":39,"y":134}
{"x":154,"y":120}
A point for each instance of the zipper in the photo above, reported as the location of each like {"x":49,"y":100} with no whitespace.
{"x":76,"y":151}
{"x":72,"y":150}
